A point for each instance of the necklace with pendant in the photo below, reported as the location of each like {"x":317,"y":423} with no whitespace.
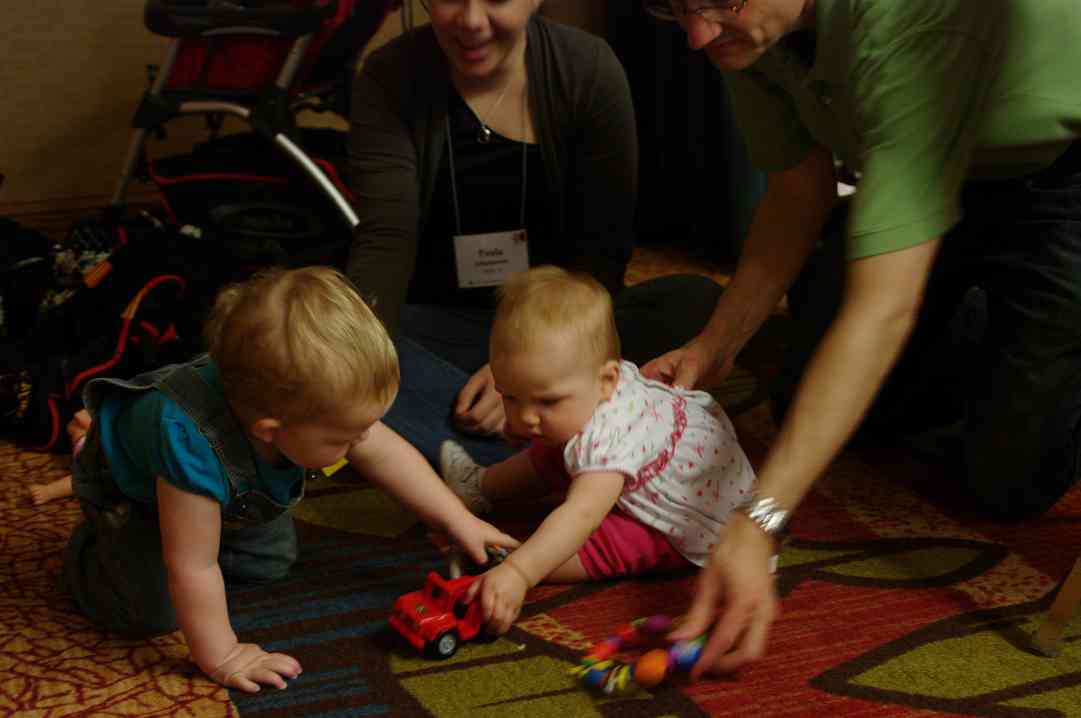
{"x":484,"y":134}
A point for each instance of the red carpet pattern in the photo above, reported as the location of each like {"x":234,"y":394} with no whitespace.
{"x":891,"y":607}
{"x":52,"y":662}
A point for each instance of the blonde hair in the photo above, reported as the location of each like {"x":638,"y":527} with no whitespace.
{"x":549,"y":299}
{"x":293,"y":344}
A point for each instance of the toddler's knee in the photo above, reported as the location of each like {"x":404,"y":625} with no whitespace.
{"x":265,"y":570}
{"x":260,"y":554}
{"x":147,"y":621}
{"x":129,"y":611}
{"x":274,"y":568}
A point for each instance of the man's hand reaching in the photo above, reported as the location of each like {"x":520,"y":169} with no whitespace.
{"x":697,"y":363}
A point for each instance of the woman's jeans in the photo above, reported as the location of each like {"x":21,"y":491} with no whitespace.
{"x":440,"y":347}
{"x":998,"y":342}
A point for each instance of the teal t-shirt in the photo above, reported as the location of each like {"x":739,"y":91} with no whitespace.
{"x":919,"y":96}
{"x":147,"y":435}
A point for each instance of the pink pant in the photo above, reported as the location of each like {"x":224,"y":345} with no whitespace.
{"x":621,"y":545}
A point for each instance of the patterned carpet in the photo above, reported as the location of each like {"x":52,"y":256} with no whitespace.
{"x":892,"y":606}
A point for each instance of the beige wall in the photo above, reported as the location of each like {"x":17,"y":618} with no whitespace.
{"x":71,"y":74}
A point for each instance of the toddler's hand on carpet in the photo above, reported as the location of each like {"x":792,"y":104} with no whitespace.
{"x":735,"y":589}
{"x":502,"y":591}
{"x":247,"y":666}
{"x":479,"y":409}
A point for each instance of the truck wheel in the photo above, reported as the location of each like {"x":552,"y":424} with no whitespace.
{"x":445,"y":644}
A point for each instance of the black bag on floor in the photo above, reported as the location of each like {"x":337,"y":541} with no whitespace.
{"x":25,"y":269}
{"x":140,"y":308}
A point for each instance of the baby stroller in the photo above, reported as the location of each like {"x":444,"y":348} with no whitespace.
{"x":262,"y":62}
{"x":140,"y":287}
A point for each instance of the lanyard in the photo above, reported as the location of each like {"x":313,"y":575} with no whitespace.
{"x":454,"y":173}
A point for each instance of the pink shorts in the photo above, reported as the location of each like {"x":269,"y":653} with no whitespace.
{"x":621,"y":545}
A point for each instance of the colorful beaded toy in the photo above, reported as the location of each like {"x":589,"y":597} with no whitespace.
{"x":598,"y":669}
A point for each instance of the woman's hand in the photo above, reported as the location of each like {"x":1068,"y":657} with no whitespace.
{"x":479,"y":409}
{"x":247,"y":666}
{"x":735,"y":585}
{"x":699,"y":362}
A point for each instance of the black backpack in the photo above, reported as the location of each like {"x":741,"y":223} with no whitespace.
{"x":26,"y":266}
{"x":139,"y":308}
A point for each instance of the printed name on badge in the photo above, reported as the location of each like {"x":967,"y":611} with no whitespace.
{"x":489,"y":260}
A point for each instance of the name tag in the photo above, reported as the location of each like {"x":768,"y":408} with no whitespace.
{"x":489,"y":260}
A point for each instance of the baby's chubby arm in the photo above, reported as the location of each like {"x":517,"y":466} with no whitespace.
{"x":502,"y":589}
{"x":190,"y":538}
{"x":389,"y":461}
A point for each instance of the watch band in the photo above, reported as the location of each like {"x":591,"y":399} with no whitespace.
{"x":766,"y":512}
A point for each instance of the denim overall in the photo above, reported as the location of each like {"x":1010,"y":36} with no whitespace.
{"x":113,"y":565}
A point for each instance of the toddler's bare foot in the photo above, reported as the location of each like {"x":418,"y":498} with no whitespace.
{"x":43,"y":493}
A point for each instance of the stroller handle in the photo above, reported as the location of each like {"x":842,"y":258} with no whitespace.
{"x":188,"y":18}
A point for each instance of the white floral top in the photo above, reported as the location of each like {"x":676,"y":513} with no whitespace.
{"x":685,"y":471}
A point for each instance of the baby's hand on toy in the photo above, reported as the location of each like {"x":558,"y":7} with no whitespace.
{"x":475,"y":535}
{"x":247,"y":666}
{"x":502,"y":591}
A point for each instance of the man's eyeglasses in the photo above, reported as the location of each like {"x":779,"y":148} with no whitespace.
{"x":711,"y":10}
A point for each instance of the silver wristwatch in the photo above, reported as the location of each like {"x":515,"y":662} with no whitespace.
{"x":766,"y":512}
{"x":771,"y":518}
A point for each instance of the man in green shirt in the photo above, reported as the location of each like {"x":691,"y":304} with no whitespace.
{"x":960,"y":118}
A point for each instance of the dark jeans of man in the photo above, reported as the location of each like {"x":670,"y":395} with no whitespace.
{"x":998,"y":342}
{"x":440,"y":347}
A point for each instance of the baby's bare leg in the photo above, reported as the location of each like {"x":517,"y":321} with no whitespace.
{"x":42,"y":493}
{"x":515,"y":478}
{"x":570,"y":572}
{"x":478,"y":486}
{"x":512,"y":478}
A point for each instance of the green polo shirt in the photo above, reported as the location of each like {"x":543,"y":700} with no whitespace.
{"x":918,"y":96}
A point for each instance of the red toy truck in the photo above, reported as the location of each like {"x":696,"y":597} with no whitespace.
{"x":436,"y":619}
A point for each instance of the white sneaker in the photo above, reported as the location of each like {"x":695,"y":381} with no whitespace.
{"x":463,"y":476}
